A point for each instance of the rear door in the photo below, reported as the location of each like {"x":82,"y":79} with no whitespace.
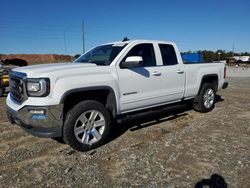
{"x":173,"y":73}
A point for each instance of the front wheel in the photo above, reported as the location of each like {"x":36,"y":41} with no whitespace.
{"x":204,"y":101}
{"x":87,"y":125}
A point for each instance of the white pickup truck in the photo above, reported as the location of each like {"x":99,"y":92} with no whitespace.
{"x":79,"y":101}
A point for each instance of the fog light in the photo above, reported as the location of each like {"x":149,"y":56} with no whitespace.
{"x":41,"y":112}
{"x":39,"y":116}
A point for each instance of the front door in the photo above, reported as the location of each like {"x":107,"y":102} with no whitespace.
{"x":140,"y":86}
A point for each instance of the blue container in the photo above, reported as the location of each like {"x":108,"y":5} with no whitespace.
{"x":195,"y":57}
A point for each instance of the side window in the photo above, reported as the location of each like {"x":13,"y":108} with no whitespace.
{"x":168,"y":54}
{"x":146,"y":51}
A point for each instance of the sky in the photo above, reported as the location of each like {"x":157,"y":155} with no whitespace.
{"x":55,"y":26}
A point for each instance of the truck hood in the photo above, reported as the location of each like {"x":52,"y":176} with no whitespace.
{"x":35,"y":70}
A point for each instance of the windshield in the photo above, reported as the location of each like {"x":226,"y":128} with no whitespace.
{"x":101,"y":55}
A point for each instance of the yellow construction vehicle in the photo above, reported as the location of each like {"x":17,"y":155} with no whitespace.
{"x":5,"y":67}
{"x":4,"y":83}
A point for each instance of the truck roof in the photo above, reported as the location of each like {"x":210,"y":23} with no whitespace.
{"x":138,"y":41}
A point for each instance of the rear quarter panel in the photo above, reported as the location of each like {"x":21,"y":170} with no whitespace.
{"x":195,"y":73}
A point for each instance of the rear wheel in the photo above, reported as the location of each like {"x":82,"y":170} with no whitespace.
{"x":204,"y":102}
{"x":87,"y":125}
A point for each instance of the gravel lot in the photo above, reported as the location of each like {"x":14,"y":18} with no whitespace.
{"x":238,"y":72}
{"x":166,"y":151}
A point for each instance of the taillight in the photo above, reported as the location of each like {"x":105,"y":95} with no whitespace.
{"x":225,"y":72}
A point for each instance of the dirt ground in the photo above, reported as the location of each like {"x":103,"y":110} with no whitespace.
{"x":166,"y":151}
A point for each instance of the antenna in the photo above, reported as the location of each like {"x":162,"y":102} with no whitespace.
{"x":125,"y":39}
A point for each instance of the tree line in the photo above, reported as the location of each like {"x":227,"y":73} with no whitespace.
{"x":210,"y":56}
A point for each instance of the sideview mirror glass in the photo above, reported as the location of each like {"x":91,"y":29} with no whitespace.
{"x":132,"y":61}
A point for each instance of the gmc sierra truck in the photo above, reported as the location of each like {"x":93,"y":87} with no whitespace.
{"x":79,"y":101}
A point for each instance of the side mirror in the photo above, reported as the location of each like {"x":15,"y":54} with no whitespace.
{"x":132,"y":61}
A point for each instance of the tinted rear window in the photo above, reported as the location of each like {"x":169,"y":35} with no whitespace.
{"x":168,"y":54}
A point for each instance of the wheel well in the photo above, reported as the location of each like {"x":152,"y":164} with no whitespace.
{"x":104,"y":96}
{"x":212,"y":79}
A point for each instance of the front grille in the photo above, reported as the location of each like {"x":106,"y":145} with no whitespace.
{"x":17,"y":86}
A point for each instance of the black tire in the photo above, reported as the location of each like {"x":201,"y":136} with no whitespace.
{"x":199,"y":101}
{"x":72,"y":120}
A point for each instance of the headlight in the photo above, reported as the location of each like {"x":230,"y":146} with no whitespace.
{"x":33,"y":86}
{"x":37,"y":87}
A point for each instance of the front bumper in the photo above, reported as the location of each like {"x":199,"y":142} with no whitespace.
{"x":225,"y":85}
{"x":47,"y":125}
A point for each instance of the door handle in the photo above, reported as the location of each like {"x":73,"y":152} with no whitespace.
{"x":180,"y":71}
{"x":155,"y":73}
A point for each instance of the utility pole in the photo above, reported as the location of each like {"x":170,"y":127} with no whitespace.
{"x":83,"y":38}
{"x":233,"y":49}
{"x":219,"y":56}
{"x":65,"y":45}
